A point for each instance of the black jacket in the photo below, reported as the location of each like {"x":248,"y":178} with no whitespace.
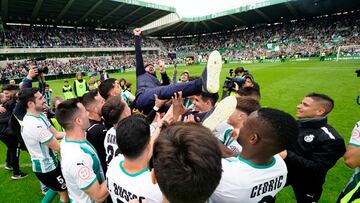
{"x":317,"y":150}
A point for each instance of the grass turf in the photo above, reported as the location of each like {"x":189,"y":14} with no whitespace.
{"x":283,"y":85}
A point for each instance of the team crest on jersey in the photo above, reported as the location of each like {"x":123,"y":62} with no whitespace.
{"x":84,"y":173}
{"x":45,"y":132}
{"x":309,"y":138}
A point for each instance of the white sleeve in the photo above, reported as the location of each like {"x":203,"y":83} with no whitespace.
{"x":220,"y":130}
{"x":355,"y":135}
{"x":82,"y":172}
{"x":44,"y":134}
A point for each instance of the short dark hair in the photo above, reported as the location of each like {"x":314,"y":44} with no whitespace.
{"x":112,"y":109}
{"x":106,"y":86}
{"x":89,"y":98}
{"x":249,"y":91}
{"x":192,"y":78}
{"x":128,"y":84}
{"x":26,"y":95}
{"x":247,"y":105}
{"x":239,"y":70}
{"x":324,"y":100}
{"x":277,"y":127}
{"x":132,"y":136}
{"x":206,"y":96}
{"x":66,"y":112}
{"x":149,"y":64}
{"x":249,"y":77}
{"x":187,"y":162}
{"x":122,"y":79}
{"x":10,"y":87}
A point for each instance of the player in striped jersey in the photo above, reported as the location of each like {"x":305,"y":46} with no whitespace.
{"x":80,"y":163}
{"x":40,"y":139}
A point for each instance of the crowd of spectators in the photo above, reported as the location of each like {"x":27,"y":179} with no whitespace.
{"x":301,"y":38}
{"x":83,"y":64}
{"x":50,"y":37}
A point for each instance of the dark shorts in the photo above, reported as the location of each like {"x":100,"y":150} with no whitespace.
{"x":53,"y":179}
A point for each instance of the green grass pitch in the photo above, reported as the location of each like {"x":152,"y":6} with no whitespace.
{"x":283,"y":86}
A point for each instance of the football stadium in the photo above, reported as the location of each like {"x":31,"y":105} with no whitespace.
{"x":180,"y":101}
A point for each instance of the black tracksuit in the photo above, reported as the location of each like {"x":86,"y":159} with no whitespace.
{"x":317,"y":150}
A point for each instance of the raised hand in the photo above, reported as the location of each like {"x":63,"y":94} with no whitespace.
{"x":137,"y":31}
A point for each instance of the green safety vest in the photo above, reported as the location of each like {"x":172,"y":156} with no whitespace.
{"x":349,"y":196}
{"x":68,"y":92}
{"x":56,"y":125}
{"x":80,"y":88}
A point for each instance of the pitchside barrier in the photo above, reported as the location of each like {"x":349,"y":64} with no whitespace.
{"x":49,"y":77}
{"x":72,"y":75}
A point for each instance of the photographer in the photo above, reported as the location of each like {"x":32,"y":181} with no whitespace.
{"x":234,"y":83}
{"x":33,"y":72}
{"x":19,"y":110}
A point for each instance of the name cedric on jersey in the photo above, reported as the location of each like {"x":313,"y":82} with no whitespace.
{"x":267,"y":186}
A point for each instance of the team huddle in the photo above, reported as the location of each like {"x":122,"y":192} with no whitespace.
{"x":174,"y":142}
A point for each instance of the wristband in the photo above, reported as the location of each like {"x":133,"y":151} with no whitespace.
{"x":156,"y":108}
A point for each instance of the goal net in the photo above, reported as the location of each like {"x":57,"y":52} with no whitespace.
{"x":348,"y":51}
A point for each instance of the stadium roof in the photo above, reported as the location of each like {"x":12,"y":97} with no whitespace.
{"x":269,"y":11}
{"x":97,"y":13}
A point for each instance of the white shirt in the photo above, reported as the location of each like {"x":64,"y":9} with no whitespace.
{"x":243,"y":181}
{"x":111,"y":147}
{"x":124,"y":186}
{"x":81,"y":168}
{"x":222,"y":133}
{"x":36,"y":134}
{"x":355,"y":141}
{"x":126,"y":95}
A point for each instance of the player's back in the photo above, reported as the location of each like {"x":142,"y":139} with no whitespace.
{"x":124,"y":186}
{"x":243,"y":181}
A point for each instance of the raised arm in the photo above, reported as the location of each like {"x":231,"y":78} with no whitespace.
{"x":140,"y":69}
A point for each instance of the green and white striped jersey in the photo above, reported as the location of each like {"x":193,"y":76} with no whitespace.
{"x":36,"y":133}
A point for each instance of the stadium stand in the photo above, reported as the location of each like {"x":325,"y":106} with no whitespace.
{"x":300,"y":38}
{"x":102,"y":37}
